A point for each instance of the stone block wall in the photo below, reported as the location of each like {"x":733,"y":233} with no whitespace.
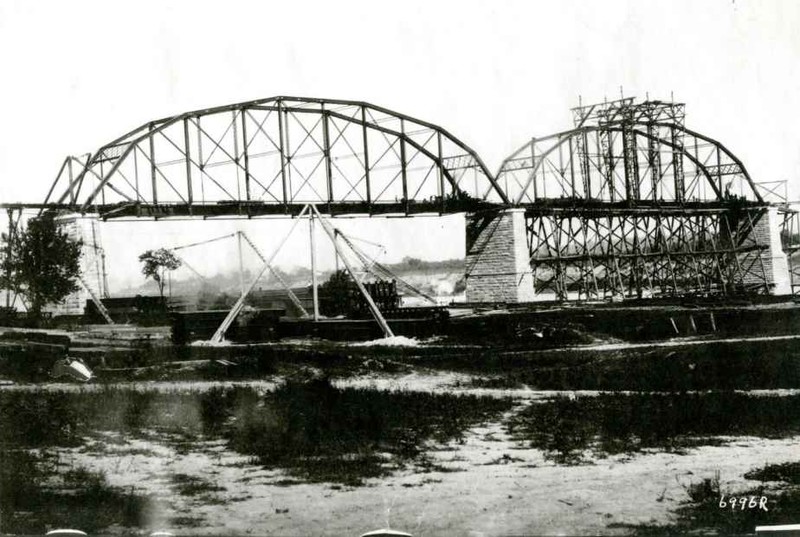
{"x":767,"y":231}
{"x":497,"y":266}
{"x":87,"y":229}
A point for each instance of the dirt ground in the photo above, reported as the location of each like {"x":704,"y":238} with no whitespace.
{"x":487,"y":484}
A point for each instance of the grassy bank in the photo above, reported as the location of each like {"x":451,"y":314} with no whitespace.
{"x":568,"y":429}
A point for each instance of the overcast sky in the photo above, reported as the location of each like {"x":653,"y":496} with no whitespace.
{"x":77,"y":74}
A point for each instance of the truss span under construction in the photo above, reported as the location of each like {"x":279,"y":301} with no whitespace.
{"x":630,"y":203}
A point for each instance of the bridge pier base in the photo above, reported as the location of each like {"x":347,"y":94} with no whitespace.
{"x":497,"y":266}
{"x":85,"y":228}
{"x":773,"y":265}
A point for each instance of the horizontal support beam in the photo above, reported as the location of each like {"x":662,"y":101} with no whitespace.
{"x":257,"y":209}
{"x":576,"y":208}
{"x":562,"y":207}
{"x":41,"y":206}
{"x":577,"y":258}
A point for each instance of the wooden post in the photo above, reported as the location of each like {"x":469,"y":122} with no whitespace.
{"x":9,"y":253}
{"x":241,"y":262}
{"x":314,"y":292}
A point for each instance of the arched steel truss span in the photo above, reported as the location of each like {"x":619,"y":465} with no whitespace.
{"x":274,"y":155}
{"x":631,"y":203}
{"x":633,"y":162}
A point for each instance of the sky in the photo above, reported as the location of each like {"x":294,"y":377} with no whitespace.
{"x":77,"y":74}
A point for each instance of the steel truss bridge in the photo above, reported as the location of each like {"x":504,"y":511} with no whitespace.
{"x":272,"y":157}
{"x":629,"y":202}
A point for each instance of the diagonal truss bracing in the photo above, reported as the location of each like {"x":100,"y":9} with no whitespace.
{"x":282,"y":153}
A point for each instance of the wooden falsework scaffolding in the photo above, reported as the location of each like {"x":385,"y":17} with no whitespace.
{"x":632,"y":204}
{"x":577,"y":254}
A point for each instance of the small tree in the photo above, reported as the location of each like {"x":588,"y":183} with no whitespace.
{"x":156,"y":264}
{"x":44,"y":264}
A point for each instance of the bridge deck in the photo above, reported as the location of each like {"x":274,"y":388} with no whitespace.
{"x":258,"y":209}
{"x":546,"y":207}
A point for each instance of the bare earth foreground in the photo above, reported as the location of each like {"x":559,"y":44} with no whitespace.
{"x":485,"y":484}
{"x":493,"y":488}
{"x":347,"y":445}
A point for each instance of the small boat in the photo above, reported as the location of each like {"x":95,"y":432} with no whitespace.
{"x":65,"y":533}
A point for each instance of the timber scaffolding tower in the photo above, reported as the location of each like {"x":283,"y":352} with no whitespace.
{"x":630,"y":204}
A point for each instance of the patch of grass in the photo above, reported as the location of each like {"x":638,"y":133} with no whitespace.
{"x":705,"y":490}
{"x":323,"y":433}
{"x":788,"y":472}
{"x":145,"y":452}
{"x":286,"y":482}
{"x":426,"y":465}
{"x":567,"y":428}
{"x":188,"y":485}
{"x":31,"y":499}
{"x":344,"y":469}
{"x":496,"y":383}
{"x":186,"y":522}
{"x":504,"y":459}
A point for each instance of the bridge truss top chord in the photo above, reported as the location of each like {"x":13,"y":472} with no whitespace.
{"x":273,"y":156}
{"x":626,"y":152}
